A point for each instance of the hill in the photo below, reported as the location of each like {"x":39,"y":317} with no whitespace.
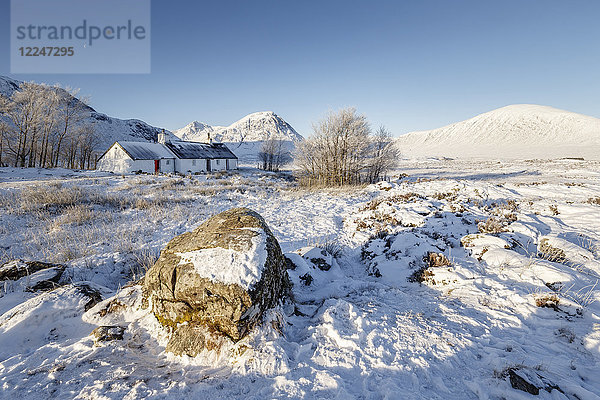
{"x":109,"y":129}
{"x":511,"y":132}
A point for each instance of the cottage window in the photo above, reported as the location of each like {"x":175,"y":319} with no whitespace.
{"x":218,"y":162}
{"x":194,"y":163}
{"x":168,"y":162}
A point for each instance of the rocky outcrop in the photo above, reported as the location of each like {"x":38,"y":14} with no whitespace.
{"x":32,"y":276}
{"x":217,"y":281}
{"x":17,"y":269}
{"x":108,"y":333}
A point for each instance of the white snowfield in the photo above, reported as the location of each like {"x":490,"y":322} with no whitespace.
{"x":519,"y":293}
{"x":517,"y":131}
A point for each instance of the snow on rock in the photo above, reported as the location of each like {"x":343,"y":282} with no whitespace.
{"x":229,"y":266}
{"x":218,"y":279}
{"x":45,"y":319}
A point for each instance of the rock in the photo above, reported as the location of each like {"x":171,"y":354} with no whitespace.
{"x":191,"y":339}
{"x":219,"y":278}
{"x":318,"y":257}
{"x":289,"y":264}
{"x":92,"y":294}
{"x":46,"y":279}
{"x":519,"y":383}
{"x":306,"y":278}
{"x":17,"y":269}
{"x":530,"y":381}
{"x":108,"y":333}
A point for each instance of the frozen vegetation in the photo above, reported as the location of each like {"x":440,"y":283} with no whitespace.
{"x":453,"y":280}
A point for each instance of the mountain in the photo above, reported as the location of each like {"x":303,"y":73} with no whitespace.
{"x":8,"y":86}
{"x":254,"y":127}
{"x":512,"y":132}
{"x":244,"y":137}
{"x":109,"y":129}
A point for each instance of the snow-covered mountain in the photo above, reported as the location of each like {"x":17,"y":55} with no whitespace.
{"x":108,"y":128}
{"x":8,"y":86}
{"x":245,"y":136}
{"x":515,"y":131}
{"x":254,"y":127}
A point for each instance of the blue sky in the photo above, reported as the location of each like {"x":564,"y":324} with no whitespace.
{"x":409,"y":65}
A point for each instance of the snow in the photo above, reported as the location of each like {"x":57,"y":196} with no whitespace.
{"x":351,"y":333}
{"x":517,"y":131}
{"x":253,"y":127}
{"x":245,"y":136}
{"x":228,"y":266}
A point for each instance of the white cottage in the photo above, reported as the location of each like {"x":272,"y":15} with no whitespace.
{"x":166,"y":156}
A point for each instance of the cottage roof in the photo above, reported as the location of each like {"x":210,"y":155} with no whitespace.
{"x":146,"y":151}
{"x":195,"y":150}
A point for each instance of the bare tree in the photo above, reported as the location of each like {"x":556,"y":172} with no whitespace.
{"x":87,"y":140}
{"x":335,"y":155}
{"x":72,"y":112}
{"x":272,"y":154}
{"x":383,"y":155}
{"x":41,"y":119}
{"x":342,"y":151}
{"x":23,"y":110}
{"x":4,"y":129}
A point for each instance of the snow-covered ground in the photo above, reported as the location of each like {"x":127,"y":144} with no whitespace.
{"x":448,"y":283}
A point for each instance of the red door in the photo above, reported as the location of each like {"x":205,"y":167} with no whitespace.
{"x":156,"y":166}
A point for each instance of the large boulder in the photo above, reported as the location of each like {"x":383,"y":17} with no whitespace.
{"x":217,"y":281}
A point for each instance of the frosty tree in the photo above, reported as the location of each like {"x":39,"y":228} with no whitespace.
{"x":343,"y":151}
{"x":272,"y":154}
{"x":40,"y":119}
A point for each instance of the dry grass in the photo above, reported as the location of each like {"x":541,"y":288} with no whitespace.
{"x":492,"y":225}
{"x":332,"y":247}
{"x":437,"y":260}
{"x":399,"y":198}
{"x":550,"y":253}
{"x":144,"y":259}
{"x":594,"y":200}
{"x":549,"y":300}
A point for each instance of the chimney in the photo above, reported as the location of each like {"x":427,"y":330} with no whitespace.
{"x":162,"y":138}
{"x":209,"y":139}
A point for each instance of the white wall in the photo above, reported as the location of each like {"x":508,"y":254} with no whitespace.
{"x":185,"y":166}
{"x":233,"y":164}
{"x":218,"y":165}
{"x":117,"y":161}
{"x":167,"y":165}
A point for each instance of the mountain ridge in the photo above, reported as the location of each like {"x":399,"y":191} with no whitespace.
{"x":109,"y":129}
{"x":513,"y":131}
{"x":254,"y":127}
